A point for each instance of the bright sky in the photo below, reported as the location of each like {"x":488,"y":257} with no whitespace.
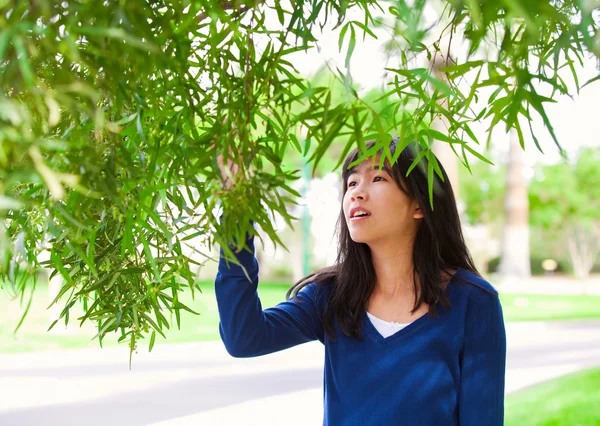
{"x":576,"y":121}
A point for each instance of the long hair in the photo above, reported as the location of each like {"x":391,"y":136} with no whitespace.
{"x":439,"y":247}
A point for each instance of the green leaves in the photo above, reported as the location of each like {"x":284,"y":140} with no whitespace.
{"x":118,"y":34}
{"x":563,"y":203}
{"x":113,"y":114}
{"x":352,"y":39}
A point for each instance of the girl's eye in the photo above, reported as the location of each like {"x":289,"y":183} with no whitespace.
{"x":375,"y":179}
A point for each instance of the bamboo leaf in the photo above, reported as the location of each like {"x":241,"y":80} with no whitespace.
{"x":535,"y":102}
{"x":430,"y":183}
{"x":152,"y":340}
{"x":118,"y":34}
{"x":416,"y":161}
{"x":591,"y":80}
{"x":365,"y":29}
{"x":476,"y":154}
{"x":23,"y":59}
{"x":26,"y":311}
{"x":351,"y":46}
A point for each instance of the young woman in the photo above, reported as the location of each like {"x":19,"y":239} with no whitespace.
{"x":413,"y":335}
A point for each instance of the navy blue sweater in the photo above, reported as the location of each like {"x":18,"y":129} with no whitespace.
{"x":447,"y":370}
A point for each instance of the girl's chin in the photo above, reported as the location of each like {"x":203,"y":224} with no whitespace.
{"x":358,"y":238}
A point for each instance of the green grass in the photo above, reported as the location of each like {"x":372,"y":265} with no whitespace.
{"x":543,"y":307}
{"x":33,"y":335}
{"x":572,"y":400}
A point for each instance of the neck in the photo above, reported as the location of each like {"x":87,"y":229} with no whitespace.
{"x":394,"y":268}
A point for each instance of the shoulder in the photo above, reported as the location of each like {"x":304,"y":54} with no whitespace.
{"x":475,"y":289}
{"x":316,"y":291}
{"x":479,"y":306}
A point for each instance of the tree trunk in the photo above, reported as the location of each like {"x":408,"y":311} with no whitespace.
{"x":442,"y":150}
{"x":514,"y":262}
{"x":583,"y":250}
{"x":447,"y":157}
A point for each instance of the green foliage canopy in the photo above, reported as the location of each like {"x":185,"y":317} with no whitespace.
{"x":482,"y":193}
{"x":112,"y":113}
{"x":567,"y":192}
{"x":564,"y":201}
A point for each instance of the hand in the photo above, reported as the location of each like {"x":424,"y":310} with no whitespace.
{"x":231,"y":169}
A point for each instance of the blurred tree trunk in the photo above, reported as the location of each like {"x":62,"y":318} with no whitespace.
{"x":583,"y":246}
{"x":514,"y":261}
{"x":477,"y":237}
{"x":446,"y":156}
{"x":442,"y":150}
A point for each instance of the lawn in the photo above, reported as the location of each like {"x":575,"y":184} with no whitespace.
{"x":572,"y":400}
{"x":33,"y":336}
{"x":541,"y":307}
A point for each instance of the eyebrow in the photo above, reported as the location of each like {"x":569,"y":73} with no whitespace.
{"x":368,"y":169}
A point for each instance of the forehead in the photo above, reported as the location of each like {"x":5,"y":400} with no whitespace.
{"x":369,"y":165}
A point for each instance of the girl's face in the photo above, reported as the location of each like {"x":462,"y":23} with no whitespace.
{"x":375,"y":209}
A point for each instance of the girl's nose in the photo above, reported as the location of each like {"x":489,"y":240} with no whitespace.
{"x":358,"y":194}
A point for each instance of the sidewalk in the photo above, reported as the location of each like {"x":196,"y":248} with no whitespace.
{"x":200,"y":384}
{"x":548,"y":285}
{"x":305,"y":407}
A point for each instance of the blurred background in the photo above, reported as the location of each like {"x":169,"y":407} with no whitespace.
{"x":532,"y":223}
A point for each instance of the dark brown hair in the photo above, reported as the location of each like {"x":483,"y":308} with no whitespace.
{"x":439,"y":248}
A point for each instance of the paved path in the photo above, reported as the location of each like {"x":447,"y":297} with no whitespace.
{"x":199,"y":384}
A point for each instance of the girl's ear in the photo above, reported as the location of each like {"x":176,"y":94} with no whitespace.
{"x":418,"y":213}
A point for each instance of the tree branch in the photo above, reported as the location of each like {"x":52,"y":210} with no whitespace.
{"x":231,"y":5}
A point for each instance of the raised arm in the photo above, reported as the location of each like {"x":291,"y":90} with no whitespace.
{"x":247,"y":330}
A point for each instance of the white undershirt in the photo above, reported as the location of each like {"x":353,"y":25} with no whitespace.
{"x":385,"y":328}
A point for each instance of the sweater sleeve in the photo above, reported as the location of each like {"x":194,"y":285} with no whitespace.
{"x":246,"y":329}
{"x":481,"y":395}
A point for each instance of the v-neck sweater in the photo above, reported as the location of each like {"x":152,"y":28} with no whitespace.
{"x":442,"y":370}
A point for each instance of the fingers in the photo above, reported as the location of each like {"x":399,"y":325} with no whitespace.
{"x":228,"y":170}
